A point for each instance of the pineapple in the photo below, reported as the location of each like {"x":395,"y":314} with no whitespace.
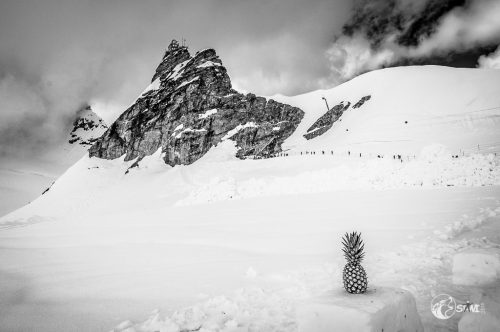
{"x":355,"y":280}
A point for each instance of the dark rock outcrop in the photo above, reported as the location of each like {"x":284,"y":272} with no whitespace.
{"x":362,"y":101}
{"x":326,"y":121}
{"x":191,"y":107}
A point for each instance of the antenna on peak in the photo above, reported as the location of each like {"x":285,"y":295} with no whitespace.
{"x":174,"y":44}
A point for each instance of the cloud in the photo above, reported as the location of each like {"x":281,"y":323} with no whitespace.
{"x":395,"y":31}
{"x":36,"y":110}
{"x":491,"y":61}
{"x":58,"y":55}
{"x":464,"y":28}
{"x":350,"y":56}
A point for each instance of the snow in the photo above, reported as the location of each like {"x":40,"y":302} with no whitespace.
{"x":381,"y":309}
{"x":453,"y":116}
{"x":189,"y":130}
{"x":227,"y":244}
{"x":178,"y":70}
{"x":180,"y":130}
{"x":476,"y":268}
{"x":209,"y":64}
{"x":207,"y":113}
{"x":188,"y":82}
{"x":473,"y":322}
{"x":153,"y":86}
{"x":239,"y":127}
{"x":324,"y":173}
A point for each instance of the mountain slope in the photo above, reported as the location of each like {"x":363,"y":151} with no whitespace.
{"x":450,"y":121}
{"x":23,"y":181}
{"x":409,"y":108}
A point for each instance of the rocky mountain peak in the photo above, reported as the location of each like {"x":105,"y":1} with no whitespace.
{"x":174,"y":55}
{"x":87,"y":127}
{"x":189,"y":107}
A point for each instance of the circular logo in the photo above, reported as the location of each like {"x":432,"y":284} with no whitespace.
{"x":443,"y":306}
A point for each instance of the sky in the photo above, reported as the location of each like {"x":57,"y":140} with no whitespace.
{"x":58,"y":55}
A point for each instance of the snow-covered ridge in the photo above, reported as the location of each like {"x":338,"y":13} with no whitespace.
{"x":410,"y":108}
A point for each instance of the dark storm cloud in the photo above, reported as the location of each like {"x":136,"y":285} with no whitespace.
{"x":382,"y":33}
{"x":57,"y":55}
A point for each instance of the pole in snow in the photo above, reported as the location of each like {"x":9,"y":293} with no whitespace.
{"x":326,"y":102}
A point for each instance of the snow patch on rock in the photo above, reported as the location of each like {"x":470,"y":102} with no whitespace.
{"x":239,"y":127}
{"x":207,"y":113}
{"x":209,"y":64}
{"x":153,"y":86}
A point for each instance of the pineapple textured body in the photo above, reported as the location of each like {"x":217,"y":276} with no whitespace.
{"x":355,"y":280}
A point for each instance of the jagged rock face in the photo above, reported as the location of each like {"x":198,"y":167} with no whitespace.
{"x":87,"y":128}
{"x":362,"y":101}
{"x":326,"y":121}
{"x":191,"y":107}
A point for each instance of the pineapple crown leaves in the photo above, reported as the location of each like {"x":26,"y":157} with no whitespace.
{"x":353,"y":247}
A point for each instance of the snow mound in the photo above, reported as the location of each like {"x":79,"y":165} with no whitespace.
{"x":467,"y":223}
{"x":250,"y":309}
{"x":381,"y":309}
{"x":472,"y":322}
{"x":325,"y":174}
{"x":434,"y":151}
{"x":476,"y":268}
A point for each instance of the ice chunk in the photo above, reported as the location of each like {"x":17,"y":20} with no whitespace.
{"x":380,"y":309}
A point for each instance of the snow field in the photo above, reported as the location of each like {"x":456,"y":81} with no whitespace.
{"x":231,"y":245}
